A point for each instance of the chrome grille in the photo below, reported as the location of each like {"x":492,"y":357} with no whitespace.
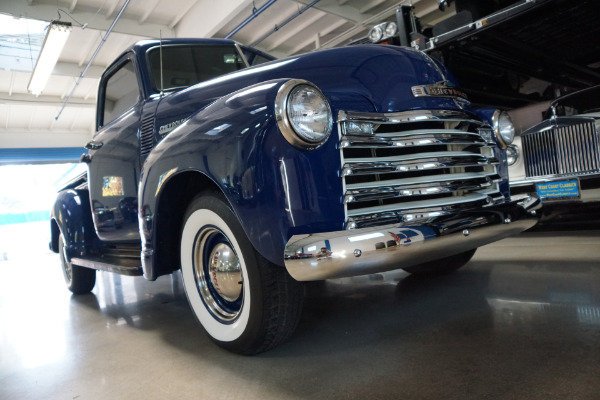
{"x":414,"y":165}
{"x":562,"y":150}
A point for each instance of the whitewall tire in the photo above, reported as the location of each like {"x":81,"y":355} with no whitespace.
{"x":245,"y":304}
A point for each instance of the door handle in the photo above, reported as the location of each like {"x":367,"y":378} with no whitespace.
{"x":94,"y":145}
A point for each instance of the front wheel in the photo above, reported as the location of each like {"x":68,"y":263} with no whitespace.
{"x":79,"y":280}
{"x":442,"y":266}
{"x":246,"y":304}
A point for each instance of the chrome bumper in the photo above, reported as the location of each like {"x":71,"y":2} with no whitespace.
{"x":385,"y":248}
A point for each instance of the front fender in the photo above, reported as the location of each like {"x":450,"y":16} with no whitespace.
{"x":235,"y":144}
{"x":73,"y":216}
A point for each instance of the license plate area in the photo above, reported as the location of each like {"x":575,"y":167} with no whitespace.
{"x":559,"y":189}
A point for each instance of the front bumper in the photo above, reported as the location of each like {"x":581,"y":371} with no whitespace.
{"x":385,"y":248}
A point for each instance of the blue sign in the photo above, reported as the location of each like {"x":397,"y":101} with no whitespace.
{"x":566,"y":189}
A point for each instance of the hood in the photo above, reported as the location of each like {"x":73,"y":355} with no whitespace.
{"x":383,"y":75}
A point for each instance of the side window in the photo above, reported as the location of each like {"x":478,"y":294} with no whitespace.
{"x":120,"y":93}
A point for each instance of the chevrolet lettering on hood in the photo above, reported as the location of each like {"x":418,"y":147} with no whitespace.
{"x":439,"y":89}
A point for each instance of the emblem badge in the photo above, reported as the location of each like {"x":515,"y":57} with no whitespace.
{"x":439,"y":89}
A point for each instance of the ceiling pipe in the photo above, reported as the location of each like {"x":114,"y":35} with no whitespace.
{"x":255,"y":13}
{"x":93,"y":57}
{"x":290,"y":19}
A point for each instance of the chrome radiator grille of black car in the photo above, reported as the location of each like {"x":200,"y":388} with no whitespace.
{"x":562,"y":150}
{"x":414,"y":165}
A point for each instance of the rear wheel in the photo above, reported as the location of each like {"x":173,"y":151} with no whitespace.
{"x":442,"y":266}
{"x":246,"y":304}
{"x":79,"y":280}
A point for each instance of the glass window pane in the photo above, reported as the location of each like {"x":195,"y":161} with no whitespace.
{"x":121,"y":92}
{"x":184,"y":66}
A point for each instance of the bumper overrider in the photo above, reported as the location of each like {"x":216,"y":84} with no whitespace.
{"x":384,"y":248}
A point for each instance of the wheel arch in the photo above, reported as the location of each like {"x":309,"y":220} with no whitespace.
{"x":54,"y":234}
{"x":175,"y":196}
{"x":71,"y":217}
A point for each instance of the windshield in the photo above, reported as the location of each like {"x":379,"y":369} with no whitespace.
{"x":187,"y":65}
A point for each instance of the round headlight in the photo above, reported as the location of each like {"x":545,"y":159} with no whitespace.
{"x":512,"y":154}
{"x":391,"y":29}
{"x":303,"y":114}
{"x":503,"y":128}
{"x":375,"y":34}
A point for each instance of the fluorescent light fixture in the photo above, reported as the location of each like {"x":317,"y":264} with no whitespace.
{"x":55,"y":40}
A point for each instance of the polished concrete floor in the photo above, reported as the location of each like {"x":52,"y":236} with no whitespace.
{"x":520,"y":321}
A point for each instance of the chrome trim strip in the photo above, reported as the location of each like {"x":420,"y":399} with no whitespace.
{"x":409,"y":116}
{"x":426,"y":180}
{"x":394,"y":246}
{"x":420,"y":186}
{"x":415,"y":138}
{"x":414,"y":162}
{"x":439,"y":202}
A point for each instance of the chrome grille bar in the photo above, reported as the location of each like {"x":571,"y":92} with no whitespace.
{"x":418,"y":162}
{"x":419,"y":186}
{"x":441,"y":202}
{"x":414,"y":138}
{"x":562,"y":150}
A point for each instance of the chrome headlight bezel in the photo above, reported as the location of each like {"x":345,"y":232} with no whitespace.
{"x":512,"y":151}
{"x":289,"y":129}
{"x":504,"y":129}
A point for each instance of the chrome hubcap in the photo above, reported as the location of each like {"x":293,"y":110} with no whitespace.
{"x":218,"y":273}
{"x":225,"y":272}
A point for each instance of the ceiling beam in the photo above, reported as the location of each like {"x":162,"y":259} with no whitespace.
{"x":205,"y":18}
{"x":347,"y":12}
{"x":150,"y":7}
{"x":74,"y":69}
{"x":44,"y":101}
{"x":111,"y":10}
{"x":368,"y":7}
{"x":46,"y":12}
{"x":321,"y":33}
{"x":182,"y":13}
{"x":88,"y":49}
{"x":12,"y":82}
{"x":292,"y":31}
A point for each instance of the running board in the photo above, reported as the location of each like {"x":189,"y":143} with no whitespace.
{"x":118,"y":265}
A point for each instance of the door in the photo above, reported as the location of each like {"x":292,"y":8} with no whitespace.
{"x":114,"y":163}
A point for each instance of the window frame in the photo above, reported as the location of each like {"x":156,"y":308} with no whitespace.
{"x":108,"y":74}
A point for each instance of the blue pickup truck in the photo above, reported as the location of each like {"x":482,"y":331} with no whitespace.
{"x":251,"y":175}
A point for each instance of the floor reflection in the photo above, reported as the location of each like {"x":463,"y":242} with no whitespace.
{"x":524,"y":314}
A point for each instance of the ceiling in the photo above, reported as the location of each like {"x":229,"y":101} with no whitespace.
{"x":284,"y":27}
